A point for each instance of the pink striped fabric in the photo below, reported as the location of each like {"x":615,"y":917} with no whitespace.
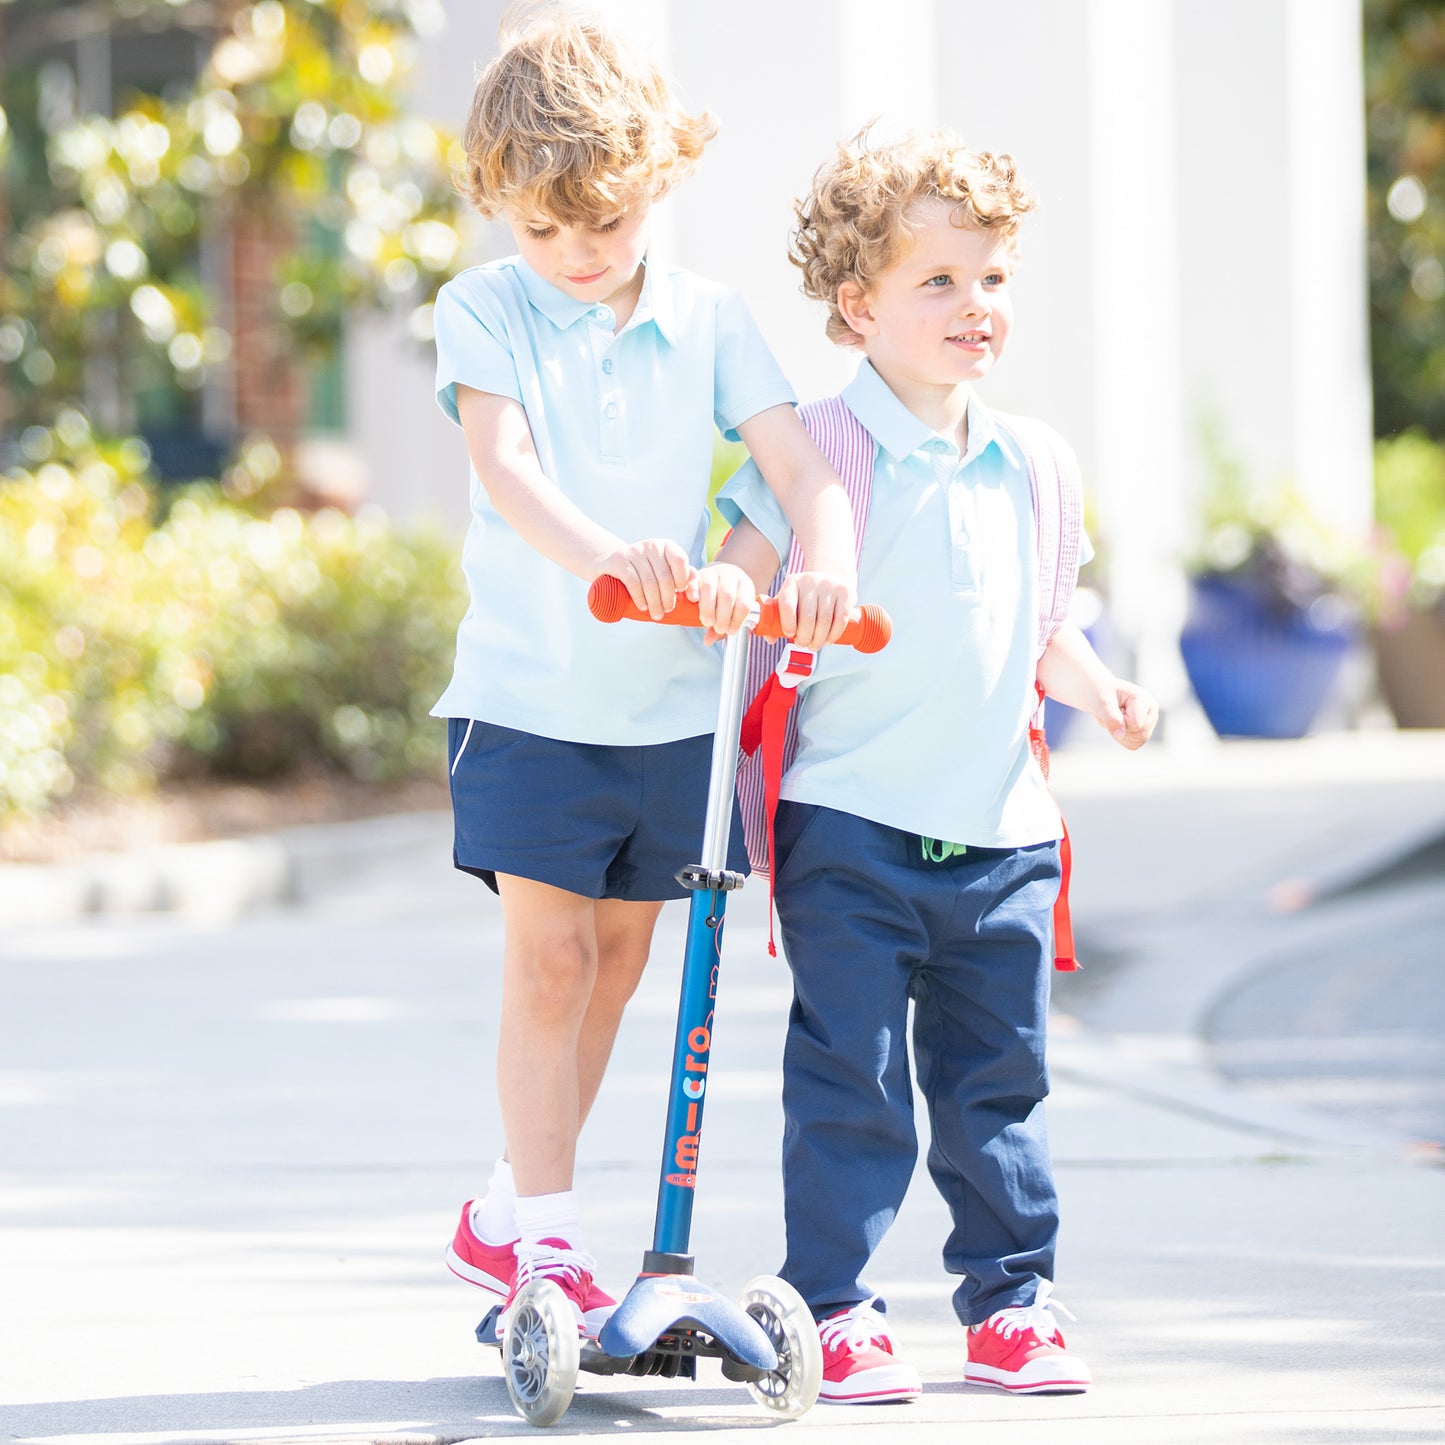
{"x":850,"y":449}
{"x":1058,"y":495}
{"x":1057,"y":490}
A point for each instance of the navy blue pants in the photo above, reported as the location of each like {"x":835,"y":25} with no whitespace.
{"x":869,"y":926}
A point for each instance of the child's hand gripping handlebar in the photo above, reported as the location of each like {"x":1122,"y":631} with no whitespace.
{"x":869,"y":629}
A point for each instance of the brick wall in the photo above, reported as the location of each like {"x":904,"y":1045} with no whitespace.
{"x":270,"y":383}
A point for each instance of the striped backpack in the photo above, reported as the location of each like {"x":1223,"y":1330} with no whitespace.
{"x":770,"y":727}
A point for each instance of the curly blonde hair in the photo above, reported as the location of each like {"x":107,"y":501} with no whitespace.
{"x":569,"y":120}
{"x":854,"y":222}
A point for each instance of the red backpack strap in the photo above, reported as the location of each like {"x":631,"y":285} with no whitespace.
{"x":1064,"y":957}
{"x":765,"y":732}
{"x":1058,"y":496}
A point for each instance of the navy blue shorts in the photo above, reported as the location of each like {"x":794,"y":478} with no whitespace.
{"x":600,"y":821}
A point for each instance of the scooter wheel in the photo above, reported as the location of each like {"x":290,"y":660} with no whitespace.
{"x":540,"y":1352}
{"x":792,"y":1389}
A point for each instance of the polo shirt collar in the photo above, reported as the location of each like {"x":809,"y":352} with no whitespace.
{"x":658,"y":302}
{"x":900,"y":433}
{"x":655,"y":303}
{"x":984,"y":431}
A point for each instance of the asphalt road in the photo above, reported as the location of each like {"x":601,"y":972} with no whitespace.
{"x":232,"y":1150}
{"x":1353,"y":1026}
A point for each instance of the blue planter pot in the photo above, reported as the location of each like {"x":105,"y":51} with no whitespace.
{"x":1257,"y":670}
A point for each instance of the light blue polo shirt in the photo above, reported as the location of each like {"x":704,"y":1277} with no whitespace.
{"x":623,"y":424}
{"x":931,"y":734}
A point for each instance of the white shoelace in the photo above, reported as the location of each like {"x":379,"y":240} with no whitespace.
{"x":546,"y":1261}
{"x":860,"y":1325}
{"x":1035,"y":1317}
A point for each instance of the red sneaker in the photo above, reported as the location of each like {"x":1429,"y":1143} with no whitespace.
{"x":1021,"y":1350}
{"x":570,"y":1268}
{"x":470,"y":1257}
{"x":859,"y":1366}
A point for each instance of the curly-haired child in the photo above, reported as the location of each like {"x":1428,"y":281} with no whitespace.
{"x":586,"y":373}
{"x":917,"y":846}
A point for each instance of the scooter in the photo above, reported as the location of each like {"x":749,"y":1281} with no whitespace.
{"x":669,"y":1319}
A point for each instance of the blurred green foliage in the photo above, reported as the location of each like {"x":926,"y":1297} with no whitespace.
{"x":1405,"y":138}
{"x":1267,"y":533}
{"x":296,"y":118}
{"x":727,"y":457}
{"x":1410,"y":506}
{"x":148,"y":636}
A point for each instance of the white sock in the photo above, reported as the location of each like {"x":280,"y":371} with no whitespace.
{"x":494,"y":1215}
{"x":549,"y":1216}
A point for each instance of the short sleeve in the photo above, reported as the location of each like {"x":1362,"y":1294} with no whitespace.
{"x":746,"y":378}
{"x":472,"y":346}
{"x":746,"y":494}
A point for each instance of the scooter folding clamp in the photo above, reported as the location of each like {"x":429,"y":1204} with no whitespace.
{"x":698,"y":878}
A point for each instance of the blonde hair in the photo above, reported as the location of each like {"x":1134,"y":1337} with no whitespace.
{"x":569,"y":120}
{"x":854,"y":223}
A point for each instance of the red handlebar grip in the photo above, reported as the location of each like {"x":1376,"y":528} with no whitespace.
{"x":609,"y":601}
{"x":868,"y":631}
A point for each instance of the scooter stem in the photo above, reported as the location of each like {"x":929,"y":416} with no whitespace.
{"x":710,"y":881}
{"x":722,"y":781}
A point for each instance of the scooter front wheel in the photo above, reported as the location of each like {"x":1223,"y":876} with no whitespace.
{"x":792,"y":1389}
{"x":540,"y":1352}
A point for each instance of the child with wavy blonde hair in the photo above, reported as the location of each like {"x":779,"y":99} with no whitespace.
{"x":865,"y":210}
{"x":587,"y":373}
{"x":918,"y":855}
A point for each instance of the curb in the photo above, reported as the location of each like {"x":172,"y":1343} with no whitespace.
{"x":216,"y":880}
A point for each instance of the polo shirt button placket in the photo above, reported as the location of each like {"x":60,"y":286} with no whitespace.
{"x":963,"y":573}
{"x":611,"y":427}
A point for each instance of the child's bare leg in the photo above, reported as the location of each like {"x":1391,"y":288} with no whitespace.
{"x":549,"y":968}
{"x":624,"y":936}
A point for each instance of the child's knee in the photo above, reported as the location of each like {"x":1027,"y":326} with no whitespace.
{"x":553,"y":968}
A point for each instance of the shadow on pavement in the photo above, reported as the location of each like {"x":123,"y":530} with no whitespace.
{"x":438,"y":1412}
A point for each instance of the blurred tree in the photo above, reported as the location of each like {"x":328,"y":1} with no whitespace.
{"x":194,"y":227}
{"x":1405,"y":136}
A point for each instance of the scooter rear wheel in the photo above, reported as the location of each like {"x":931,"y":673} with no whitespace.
{"x":792,"y":1389}
{"x":540,"y":1352}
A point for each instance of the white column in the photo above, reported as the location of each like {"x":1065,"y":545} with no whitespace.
{"x":1272,"y":244}
{"x":1331,"y":416}
{"x":1134,"y":345}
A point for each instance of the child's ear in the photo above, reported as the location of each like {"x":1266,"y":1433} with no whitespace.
{"x":854,"y":307}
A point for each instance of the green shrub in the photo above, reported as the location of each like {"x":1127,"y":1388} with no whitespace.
{"x":209,"y":641}
{"x":75,"y":692}
{"x":1410,"y":506}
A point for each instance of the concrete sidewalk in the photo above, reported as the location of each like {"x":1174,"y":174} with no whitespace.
{"x":234,"y":1139}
